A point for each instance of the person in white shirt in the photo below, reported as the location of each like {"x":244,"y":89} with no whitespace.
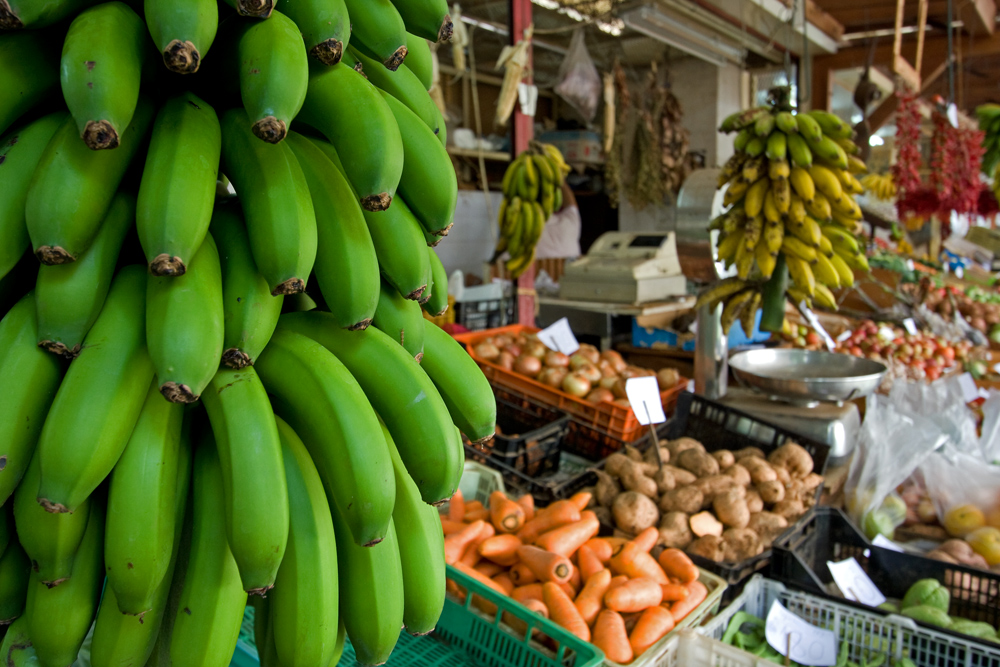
{"x":561,"y":236}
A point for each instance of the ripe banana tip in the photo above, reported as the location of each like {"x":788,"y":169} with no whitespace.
{"x":417,"y":293}
{"x":8,"y":20}
{"x":444,"y":232}
{"x":290,"y":286}
{"x":328,"y":52}
{"x":373,"y":542}
{"x":54,"y":582}
{"x":52,"y":255}
{"x":181,"y":57}
{"x":270,"y":129}
{"x":447,"y":29}
{"x":53,"y":508}
{"x":257,"y":8}
{"x":100,"y":135}
{"x":236,"y":358}
{"x":262,"y":591}
{"x":418,"y":357}
{"x":422,"y":634}
{"x":360,"y":326}
{"x":60,"y":349}
{"x":396,"y":59}
{"x":165,"y":265}
{"x":424,"y":299}
{"x":375,"y":203}
{"x":178,"y":393}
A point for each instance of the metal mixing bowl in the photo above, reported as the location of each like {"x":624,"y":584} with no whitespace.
{"x":807,"y":375}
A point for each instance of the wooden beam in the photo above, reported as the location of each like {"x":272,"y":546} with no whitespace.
{"x":824,"y":20}
{"x":978,"y":16}
{"x":885,"y":110}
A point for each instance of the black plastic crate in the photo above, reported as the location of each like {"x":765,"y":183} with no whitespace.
{"x":528,"y":442}
{"x":485,"y":314}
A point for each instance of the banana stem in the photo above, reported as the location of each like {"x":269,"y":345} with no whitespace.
{"x":774,"y":298}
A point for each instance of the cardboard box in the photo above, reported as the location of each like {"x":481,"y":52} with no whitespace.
{"x":576,"y":145}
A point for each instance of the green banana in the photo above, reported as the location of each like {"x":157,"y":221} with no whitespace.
{"x":185,"y":327}
{"x":428,"y":19}
{"x":404,"y":86}
{"x":72,"y":188}
{"x":828,"y":150}
{"x":321,"y":400}
{"x":279,"y":211}
{"x":397,"y":237}
{"x":421,"y":551}
{"x":346,"y":263}
{"x":831,"y":124}
{"x":142,"y":522}
{"x":250,"y":313}
{"x":260,"y":9}
{"x":7,"y":528}
{"x":352,"y":115}
{"x":303,"y":608}
{"x":809,"y":129}
{"x":60,"y":617}
{"x":777,"y":144}
{"x":402,"y":395}
{"x":785,"y":121}
{"x":462,"y":386}
{"x":70,"y":296}
{"x":400,"y":319}
{"x":428,"y":293}
{"x":183,"y":30}
{"x":16,"y":649}
{"x":254,"y":489}
{"x":16,"y":14}
{"x":378,"y":29}
{"x":99,"y":400}
{"x":15,"y":574}
{"x":178,"y":183}
{"x":799,"y":151}
{"x":419,"y":60}
{"x":429,"y":183}
{"x":764,"y":125}
{"x":325,"y":26}
{"x":437,"y":305}
{"x":30,"y":377}
{"x":210,"y":610}
{"x":50,"y":540}
{"x":100,"y":76}
{"x":29,"y":69}
{"x":20,"y":151}
{"x":371,"y":593}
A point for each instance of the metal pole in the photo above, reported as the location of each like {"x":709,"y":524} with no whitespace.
{"x":951,"y":59}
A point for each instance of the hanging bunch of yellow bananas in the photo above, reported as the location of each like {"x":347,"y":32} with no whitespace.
{"x":790,"y":198}
{"x":532,"y":192}
{"x":881,"y":186}
{"x":989,"y":122}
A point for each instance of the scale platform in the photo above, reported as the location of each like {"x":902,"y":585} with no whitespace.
{"x":626,"y":267}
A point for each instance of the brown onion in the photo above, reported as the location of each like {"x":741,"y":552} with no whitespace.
{"x":576,"y":384}
{"x":556,"y":359}
{"x":600,"y":395}
{"x":591,"y":372}
{"x":487,"y":351}
{"x":577,"y":360}
{"x":668,"y":378}
{"x":505,"y":360}
{"x":514,"y":349}
{"x":615,"y":359}
{"x":607,"y":370}
{"x":502,"y":341}
{"x":592,"y":353}
{"x":623,"y":402}
{"x":528,"y":365}
{"x":608,"y":382}
{"x":552,"y":376}
{"x":629,"y":372}
{"x":536,"y":348}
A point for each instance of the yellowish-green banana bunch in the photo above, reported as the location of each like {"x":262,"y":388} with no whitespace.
{"x":989,"y":122}
{"x":532,"y":192}
{"x":882,"y":186}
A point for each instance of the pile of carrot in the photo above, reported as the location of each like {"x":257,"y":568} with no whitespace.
{"x":605,"y":590}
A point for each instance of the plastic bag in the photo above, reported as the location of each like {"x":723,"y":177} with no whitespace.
{"x":958,"y":479}
{"x":579,"y":82}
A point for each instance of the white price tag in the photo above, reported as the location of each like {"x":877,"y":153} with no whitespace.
{"x":815,"y":324}
{"x":854,"y":583}
{"x":644,"y":396}
{"x":953,"y":115}
{"x":969,"y":389}
{"x":884,"y":542}
{"x":691,"y":384}
{"x":800,"y":641}
{"x":910,"y":326}
{"x":559,"y":337}
{"x":886,"y":334}
{"x":910,"y":266}
{"x":844,"y":335}
{"x":528,"y":97}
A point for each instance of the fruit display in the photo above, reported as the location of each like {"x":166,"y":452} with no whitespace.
{"x":612,"y":592}
{"x":981,"y":309}
{"x":532,"y":192}
{"x":723,"y":506}
{"x":882,"y":186}
{"x":928,"y":601}
{"x":172,"y":437}
{"x":791,"y":212}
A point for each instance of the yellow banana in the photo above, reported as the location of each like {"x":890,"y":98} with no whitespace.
{"x":752,"y":232}
{"x":825,"y":246}
{"x":802,"y":183}
{"x":735,"y":192}
{"x":826,"y":182}
{"x":744,"y":261}
{"x":843,"y":270}
{"x":819,"y":207}
{"x":748,"y":316}
{"x":766,"y":260}
{"x":782,"y":194}
{"x":755,"y":197}
{"x":778,"y":169}
{"x":796,"y":210}
{"x":801,"y":274}
{"x":770,"y":208}
{"x":711,"y":296}
{"x":825,"y":272}
{"x":752,"y":169}
{"x":734,"y":306}
{"x":774,"y":235}
{"x":824,"y":297}
{"x":728,"y":245}
{"x":793,"y":247}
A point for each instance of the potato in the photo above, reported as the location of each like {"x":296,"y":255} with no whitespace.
{"x":664,"y":481}
{"x":675,"y":531}
{"x":604,"y":515}
{"x":634,"y":512}
{"x":698,"y":462}
{"x":715,"y":484}
{"x":709,"y":547}
{"x":754,"y":502}
{"x":771,"y":492}
{"x":783,"y":475}
{"x":633,"y":478}
{"x":705,"y":523}
{"x":749,"y":451}
{"x":681,"y":476}
{"x":960,"y":550}
{"x":632,"y":453}
{"x":614,"y":464}
{"x":768,"y":526}
{"x":681,"y":444}
{"x":606,"y":489}
{"x":685,"y":499}
{"x":790,"y":509}
{"x":759,"y":469}
{"x":740,"y":544}
{"x":792,"y":457}
{"x":812,"y":480}
{"x":738,"y":473}
{"x":943,"y":556}
{"x":649,"y":456}
{"x":731,"y":508}
{"x":724,"y":457}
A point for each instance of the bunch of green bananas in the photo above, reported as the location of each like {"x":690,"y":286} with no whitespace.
{"x":989,"y":122}
{"x":532,"y":191}
{"x":790,"y":198}
{"x":174,"y":433}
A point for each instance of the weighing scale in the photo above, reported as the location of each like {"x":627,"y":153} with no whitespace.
{"x":626,"y":267}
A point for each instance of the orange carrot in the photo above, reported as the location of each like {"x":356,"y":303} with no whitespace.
{"x":488,"y":569}
{"x":600,"y":548}
{"x":696,"y":595}
{"x":567,"y":539}
{"x":456,"y":508}
{"x":522,"y":575}
{"x":616,"y":581}
{"x":575,"y":580}
{"x":637,"y":595}
{"x":501,"y":549}
{"x":590,"y":601}
{"x":569,"y":589}
{"x":634,"y":562}
{"x":448,"y":526}
{"x":527,"y":503}
{"x":616,"y":544}
{"x":546,"y":566}
{"x":557,"y":514}
{"x":503,"y":580}
{"x":529,"y":592}
{"x":581,"y":500}
{"x":471,"y":555}
{"x":563,"y":611}
{"x":610,"y":636}
{"x":506,"y":515}
{"x":455,"y":544}
{"x":481,"y":514}
{"x":587,"y":562}
{"x":674,"y":592}
{"x":486,"y":581}
{"x":676,"y":564}
{"x":537,"y":606}
{"x":472,"y":506}
{"x":646,"y":540}
{"x":653,"y":624}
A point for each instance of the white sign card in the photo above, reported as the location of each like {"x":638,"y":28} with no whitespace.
{"x":815,"y":324}
{"x":910,"y":326}
{"x":644,"y":396}
{"x":559,"y":337}
{"x":800,"y":641}
{"x":884,"y":542}
{"x":855,"y":583}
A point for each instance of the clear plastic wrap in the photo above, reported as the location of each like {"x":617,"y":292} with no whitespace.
{"x":579,"y":82}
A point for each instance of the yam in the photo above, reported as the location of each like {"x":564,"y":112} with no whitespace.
{"x":649,"y":456}
{"x":739,"y":544}
{"x":754,"y":502}
{"x":783,"y":475}
{"x":632,"y":453}
{"x":634,"y":512}
{"x":790,"y":509}
{"x":715,"y":484}
{"x":606,"y":489}
{"x":792,"y":457}
{"x":664,"y":481}
{"x":614,"y":464}
{"x":685,"y":499}
{"x":709,"y":547}
{"x":812,"y":480}
{"x":675,"y":531}
{"x":771,"y":492}
{"x":681,"y":476}
{"x":698,"y":462}
{"x":759,"y":469}
{"x":724,"y":457}
{"x":681,"y":444}
{"x":747,"y":452}
{"x":731,"y":509}
{"x":740,"y":474}
{"x":705,"y":523}
{"x":768,"y":526}
{"x":633,"y":478}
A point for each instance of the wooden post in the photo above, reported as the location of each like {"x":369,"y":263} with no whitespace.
{"x":523,"y":131}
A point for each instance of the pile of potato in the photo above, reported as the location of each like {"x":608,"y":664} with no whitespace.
{"x":724,"y":506}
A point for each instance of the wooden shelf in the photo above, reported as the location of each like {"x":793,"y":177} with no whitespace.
{"x":496,"y":156}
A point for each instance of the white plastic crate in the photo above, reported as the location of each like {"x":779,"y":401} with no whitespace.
{"x":687,"y":648}
{"x":867,"y":633}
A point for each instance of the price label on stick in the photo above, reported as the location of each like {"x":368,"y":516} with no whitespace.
{"x":644,"y":397}
{"x":910,"y":326}
{"x":817,"y":325}
{"x":855,"y":583}
{"x":884,"y":542}
{"x":796,"y":639}
{"x":559,"y":337}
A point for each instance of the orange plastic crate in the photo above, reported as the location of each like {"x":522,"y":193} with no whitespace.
{"x":615,"y":420}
